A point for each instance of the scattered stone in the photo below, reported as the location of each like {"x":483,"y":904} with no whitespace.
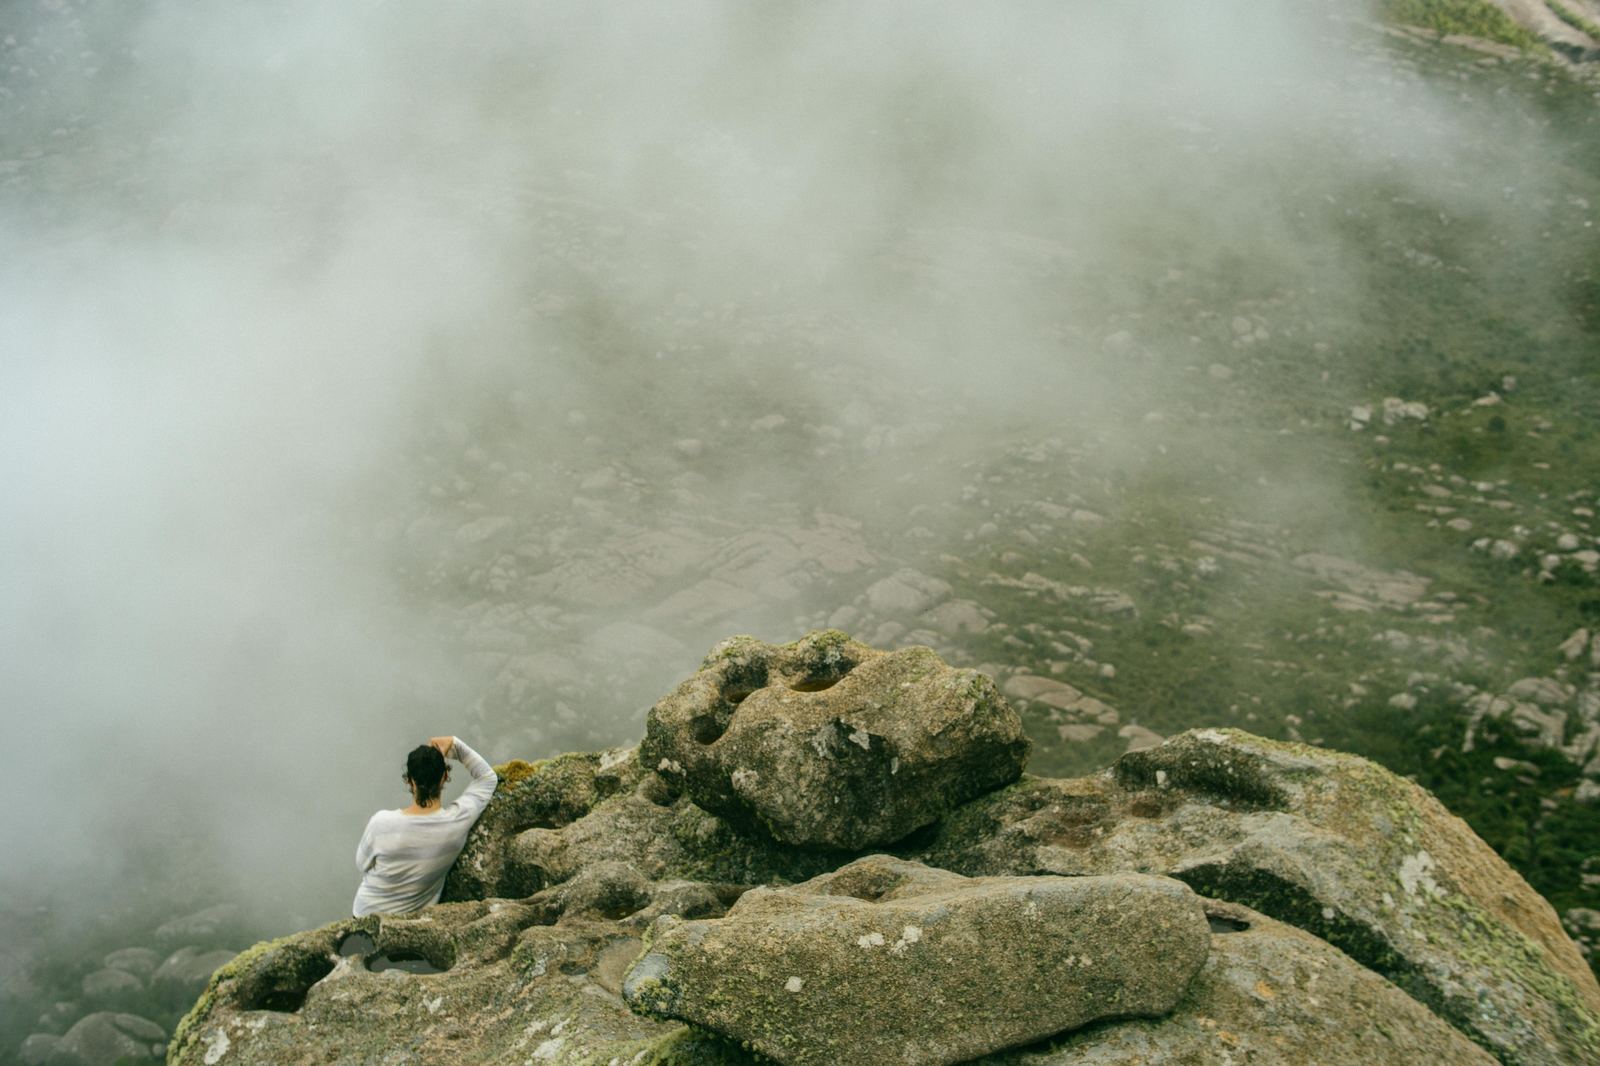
{"x":901,"y":963}
{"x":1397,"y":588}
{"x":1545,"y":691}
{"x":141,"y":962}
{"x":107,"y":989}
{"x":906,"y":592}
{"x":1398,"y":410}
{"x":211,"y":927}
{"x":827,"y":742}
{"x":104,"y":1038}
{"x":1139,"y":738}
{"x":185,"y":972}
{"x":954,"y":617}
{"x":1044,"y":690}
{"x":38,"y":1049}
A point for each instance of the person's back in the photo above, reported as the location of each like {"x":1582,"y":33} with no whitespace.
{"x":404,"y":855}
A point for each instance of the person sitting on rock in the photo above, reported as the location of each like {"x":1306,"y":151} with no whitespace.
{"x":405,"y":854}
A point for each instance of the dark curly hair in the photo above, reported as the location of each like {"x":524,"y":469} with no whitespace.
{"x":425,"y":770}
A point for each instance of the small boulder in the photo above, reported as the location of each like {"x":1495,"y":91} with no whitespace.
{"x":141,"y":962}
{"x":184,"y":974}
{"x":906,"y":592}
{"x":826,"y":742}
{"x":107,"y":1038}
{"x":112,"y":988}
{"x":211,"y":927}
{"x":889,"y":961}
{"x":38,"y":1049}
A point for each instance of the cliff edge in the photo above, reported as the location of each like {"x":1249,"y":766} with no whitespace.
{"x":825,"y":853}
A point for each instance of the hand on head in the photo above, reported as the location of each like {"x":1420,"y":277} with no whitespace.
{"x":444,"y":744}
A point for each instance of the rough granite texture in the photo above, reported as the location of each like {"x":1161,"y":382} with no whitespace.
{"x":1380,"y":930}
{"x":889,"y":961}
{"x":1270,"y":995}
{"x":828,"y":743}
{"x":1328,"y":842}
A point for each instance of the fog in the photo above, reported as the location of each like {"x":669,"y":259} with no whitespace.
{"x":294,"y":294}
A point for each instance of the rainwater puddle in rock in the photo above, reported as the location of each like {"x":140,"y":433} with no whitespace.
{"x":402,"y":961}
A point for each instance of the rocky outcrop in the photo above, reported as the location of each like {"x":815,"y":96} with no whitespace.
{"x":1352,"y":919}
{"x":487,"y":981}
{"x":826,"y":742}
{"x":888,"y":961}
{"x":1271,"y":995}
{"x":1327,"y":842}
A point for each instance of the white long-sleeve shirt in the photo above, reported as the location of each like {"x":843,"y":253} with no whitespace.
{"x":403,"y":858}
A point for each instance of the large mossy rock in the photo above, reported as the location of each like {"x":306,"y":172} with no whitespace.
{"x":825,"y":742}
{"x":1270,"y":995}
{"x":1328,"y":842}
{"x":550,"y":820}
{"x":887,"y":961}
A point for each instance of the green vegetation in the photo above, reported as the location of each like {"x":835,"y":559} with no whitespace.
{"x":1573,"y":19}
{"x":1476,"y":18}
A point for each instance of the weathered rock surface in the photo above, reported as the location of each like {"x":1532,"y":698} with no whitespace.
{"x":551,"y":820}
{"x":1271,"y":995}
{"x":888,"y":961}
{"x":826,"y":742}
{"x":492,"y":982}
{"x":1402,"y":934}
{"x":1327,"y":842}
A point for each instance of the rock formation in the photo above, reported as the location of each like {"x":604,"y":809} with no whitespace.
{"x":827,"y":742}
{"x":888,"y":961}
{"x":1216,"y":897}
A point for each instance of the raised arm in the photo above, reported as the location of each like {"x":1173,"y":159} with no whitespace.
{"x":476,"y":797}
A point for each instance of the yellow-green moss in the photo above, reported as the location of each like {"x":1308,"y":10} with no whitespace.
{"x":1482,"y":941}
{"x":515,"y":772}
{"x":1474,"y":18}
